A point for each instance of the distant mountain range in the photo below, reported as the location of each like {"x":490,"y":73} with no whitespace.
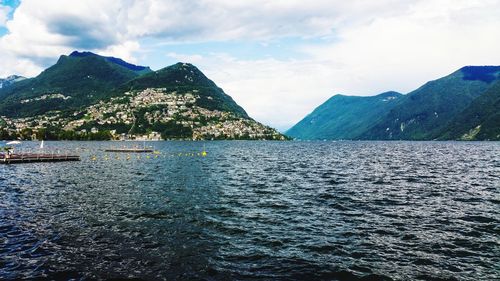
{"x":6,"y":82}
{"x":464,"y":105}
{"x":88,"y":96}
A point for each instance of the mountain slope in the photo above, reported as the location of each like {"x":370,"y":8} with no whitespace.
{"x":480,"y":120}
{"x":185,"y":77}
{"x":74,"y":81}
{"x":344,"y":117}
{"x":86,"y":96}
{"x":425,"y":113}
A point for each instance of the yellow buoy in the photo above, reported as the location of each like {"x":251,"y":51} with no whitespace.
{"x":203,"y":153}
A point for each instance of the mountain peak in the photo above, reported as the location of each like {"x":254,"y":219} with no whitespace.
{"x":389,"y":94}
{"x":82,"y":54}
{"x":118,"y":61}
{"x":179,"y":74}
{"x":486,"y":73}
{"x":183,"y":67}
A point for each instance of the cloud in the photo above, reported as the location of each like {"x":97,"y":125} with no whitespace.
{"x":398,"y":52}
{"x":208,"y":20}
{"x":351,"y":47}
{"x":41,"y":31}
{"x":275,"y":92}
{"x":81,"y":33}
{"x":4,"y":14}
{"x":404,"y":51}
{"x":46,"y":29}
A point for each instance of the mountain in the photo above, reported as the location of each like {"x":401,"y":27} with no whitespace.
{"x":8,"y":81}
{"x":136,"y":68}
{"x":79,"y":79}
{"x":344,"y":117}
{"x":451,"y":107}
{"x":425,"y":113}
{"x":87,"y":96}
{"x":185,"y":77}
{"x":480,"y":120}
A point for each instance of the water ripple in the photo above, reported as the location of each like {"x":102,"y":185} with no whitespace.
{"x":257,"y":211}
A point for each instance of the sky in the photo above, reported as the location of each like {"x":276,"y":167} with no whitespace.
{"x":278,"y":59}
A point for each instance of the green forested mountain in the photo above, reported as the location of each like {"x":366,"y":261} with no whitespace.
{"x":87,"y":96}
{"x":480,"y":120}
{"x":425,"y":112}
{"x":78,"y":80}
{"x":183,"y":78}
{"x":344,"y":117}
{"x":451,"y":107}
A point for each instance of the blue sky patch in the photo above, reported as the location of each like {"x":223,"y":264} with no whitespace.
{"x":13,"y":4}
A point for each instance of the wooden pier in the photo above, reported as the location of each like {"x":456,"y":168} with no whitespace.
{"x":16,"y":158}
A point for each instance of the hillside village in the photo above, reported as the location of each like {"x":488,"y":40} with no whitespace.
{"x":150,"y":114}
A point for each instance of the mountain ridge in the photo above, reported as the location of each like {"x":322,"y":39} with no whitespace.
{"x":423,"y":114}
{"x":184,"y":77}
{"x":136,"y":68}
{"x":83,"y":79}
{"x":87,"y":96}
{"x":480,"y":120}
{"x":342,"y":116}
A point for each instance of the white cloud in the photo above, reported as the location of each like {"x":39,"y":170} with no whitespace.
{"x":4,"y":13}
{"x":124,"y":51}
{"x":404,"y":51}
{"x":16,"y":65}
{"x":204,"y":20}
{"x":42,"y":30}
{"x":275,"y":92}
{"x":399,"y":52}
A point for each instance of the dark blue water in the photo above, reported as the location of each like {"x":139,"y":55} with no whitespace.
{"x":256,"y":211}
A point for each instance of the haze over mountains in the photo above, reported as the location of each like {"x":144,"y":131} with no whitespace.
{"x":464,"y":105}
{"x":86,"y":96}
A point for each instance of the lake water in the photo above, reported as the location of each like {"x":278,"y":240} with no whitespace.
{"x":256,"y":211}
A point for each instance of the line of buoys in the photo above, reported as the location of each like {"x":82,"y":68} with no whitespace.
{"x":154,"y":155}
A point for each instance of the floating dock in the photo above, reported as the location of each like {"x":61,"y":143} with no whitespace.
{"x":129,"y":150}
{"x":35,"y":157}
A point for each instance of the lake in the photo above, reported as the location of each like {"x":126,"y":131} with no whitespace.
{"x":255,"y":211}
